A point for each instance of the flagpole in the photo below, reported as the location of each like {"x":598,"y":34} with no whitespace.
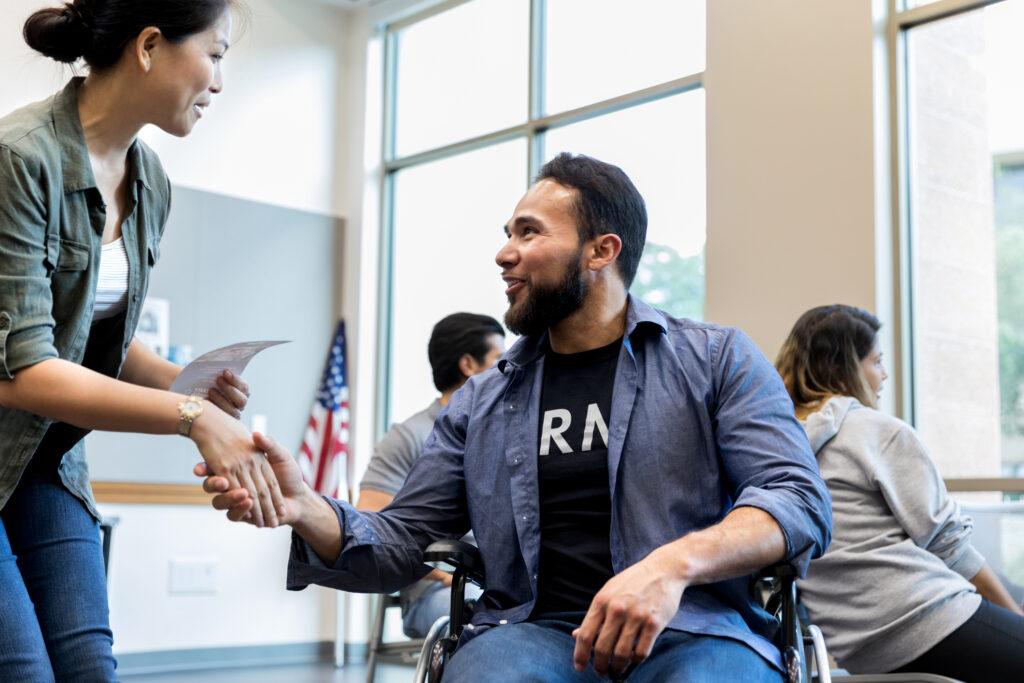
{"x":341,"y":608}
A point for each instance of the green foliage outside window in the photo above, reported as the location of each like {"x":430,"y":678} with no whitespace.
{"x":1009,"y":234}
{"x":670,"y":282}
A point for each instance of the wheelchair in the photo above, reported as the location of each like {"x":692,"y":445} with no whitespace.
{"x":776,"y":586}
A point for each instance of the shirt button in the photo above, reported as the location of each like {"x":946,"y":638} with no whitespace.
{"x":503,"y":622}
{"x":524,"y":518}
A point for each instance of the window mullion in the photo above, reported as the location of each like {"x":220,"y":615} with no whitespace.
{"x":538,"y":65}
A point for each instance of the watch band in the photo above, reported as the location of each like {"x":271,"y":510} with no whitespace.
{"x":188,"y":410}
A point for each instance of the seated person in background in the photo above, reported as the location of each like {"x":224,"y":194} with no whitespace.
{"x":461,"y":345}
{"x":898,"y":589}
{"x":624,"y":472}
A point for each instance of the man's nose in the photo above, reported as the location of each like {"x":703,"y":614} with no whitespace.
{"x":505,"y":255}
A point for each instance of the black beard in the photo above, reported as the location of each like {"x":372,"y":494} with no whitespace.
{"x":545,"y":307}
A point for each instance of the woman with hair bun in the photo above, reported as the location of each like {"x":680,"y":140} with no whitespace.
{"x":901,"y":588}
{"x":83,"y":203}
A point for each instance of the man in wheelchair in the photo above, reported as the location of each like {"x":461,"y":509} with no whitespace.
{"x":624,"y":472}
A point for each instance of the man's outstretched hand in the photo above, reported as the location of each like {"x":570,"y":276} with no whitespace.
{"x":237,"y":502}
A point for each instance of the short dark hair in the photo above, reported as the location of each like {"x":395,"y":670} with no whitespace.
{"x":99,"y":30}
{"x":607,"y":202}
{"x":821,"y":357}
{"x":453,"y":337}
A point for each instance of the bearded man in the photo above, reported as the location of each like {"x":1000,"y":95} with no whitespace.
{"x":624,"y":471}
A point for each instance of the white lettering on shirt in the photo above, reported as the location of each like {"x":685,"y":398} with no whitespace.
{"x":594,"y":418}
{"x":551,"y":432}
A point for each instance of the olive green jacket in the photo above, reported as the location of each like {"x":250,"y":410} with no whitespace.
{"x":51,"y":228}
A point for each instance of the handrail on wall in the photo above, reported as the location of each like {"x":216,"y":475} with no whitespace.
{"x":967,"y":484}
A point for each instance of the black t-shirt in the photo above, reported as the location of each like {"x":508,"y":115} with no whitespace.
{"x":572,"y":466}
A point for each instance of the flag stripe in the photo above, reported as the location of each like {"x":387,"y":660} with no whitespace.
{"x":323,"y":455}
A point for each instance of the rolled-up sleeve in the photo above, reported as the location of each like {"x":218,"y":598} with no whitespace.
{"x":383,"y":551}
{"x":917,"y":496}
{"x":765,"y":452}
{"x":26,"y":318}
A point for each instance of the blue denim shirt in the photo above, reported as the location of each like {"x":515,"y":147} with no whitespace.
{"x":700,"y":424}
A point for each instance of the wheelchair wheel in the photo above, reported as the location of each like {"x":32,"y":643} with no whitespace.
{"x":437,"y":658}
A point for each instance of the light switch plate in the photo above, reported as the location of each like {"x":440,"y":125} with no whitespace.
{"x":193,"y":576}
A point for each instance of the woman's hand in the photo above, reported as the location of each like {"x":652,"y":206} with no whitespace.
{"x":230,"y":395}
{"x":237,"y":501}
{"x":228,"y":450}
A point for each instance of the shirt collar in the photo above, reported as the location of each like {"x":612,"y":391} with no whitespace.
{"x":136,"y":168}
{"x":639,"y":318}
{"x":74,"y":155}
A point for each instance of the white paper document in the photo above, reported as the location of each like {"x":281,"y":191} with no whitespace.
{"x":200,"y":375}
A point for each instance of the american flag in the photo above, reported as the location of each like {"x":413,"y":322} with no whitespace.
{"x":323,"y":456}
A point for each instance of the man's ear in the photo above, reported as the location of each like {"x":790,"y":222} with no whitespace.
{"x":604,"y":250}
{"x":468,"y":365}
{"x":144,"y":45}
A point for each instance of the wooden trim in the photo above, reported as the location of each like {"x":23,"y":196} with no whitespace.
{"x":1005,"y":484}
{"x":149,"y":494}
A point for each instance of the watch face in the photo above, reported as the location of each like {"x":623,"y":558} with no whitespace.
{"x":191,"y":408}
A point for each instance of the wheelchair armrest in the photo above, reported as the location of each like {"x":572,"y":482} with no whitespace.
{"x":781,"y":570}
{"x":452,"y":555}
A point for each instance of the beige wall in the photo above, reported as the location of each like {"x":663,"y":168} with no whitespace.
{"x":791,"y":181}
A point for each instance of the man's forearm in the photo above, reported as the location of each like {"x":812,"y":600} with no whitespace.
{"x":742,"y":543}
{"x":317,"y":524}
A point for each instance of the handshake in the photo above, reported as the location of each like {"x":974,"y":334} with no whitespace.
{"x":289,"y":496}
{"x":257,"y":480}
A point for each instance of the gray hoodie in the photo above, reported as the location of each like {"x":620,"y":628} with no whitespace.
{"x":894,"y":581}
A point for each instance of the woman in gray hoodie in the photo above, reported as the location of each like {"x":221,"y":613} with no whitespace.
{"x":900,"y":588}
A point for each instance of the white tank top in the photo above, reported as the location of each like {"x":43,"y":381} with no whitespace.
{"x":112,"y":286}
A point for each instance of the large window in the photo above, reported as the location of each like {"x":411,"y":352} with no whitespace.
{"x":479,"y":95}
{"x":962,"y":68}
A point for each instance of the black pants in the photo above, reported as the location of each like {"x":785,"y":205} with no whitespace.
{"x":988,"y":647}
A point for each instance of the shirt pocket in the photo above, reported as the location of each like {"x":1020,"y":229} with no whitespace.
{"x":69,"y":283}
{"x":67,"y":255}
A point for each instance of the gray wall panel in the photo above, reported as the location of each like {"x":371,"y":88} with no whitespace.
{"x":235,"y":270}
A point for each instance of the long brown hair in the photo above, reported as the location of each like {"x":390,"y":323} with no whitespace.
{"x":822,"y":355}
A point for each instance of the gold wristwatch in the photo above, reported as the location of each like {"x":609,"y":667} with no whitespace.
{"x":188,"y":411}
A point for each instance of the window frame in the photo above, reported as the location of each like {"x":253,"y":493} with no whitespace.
{"x":901,"y":21}
{"x":533,"y":130}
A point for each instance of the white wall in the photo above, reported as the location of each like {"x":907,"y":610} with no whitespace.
{"x":250,"y":605}
{"x":274,"y":136}
{"x":270,"y":136}
{"x":25,"y":76}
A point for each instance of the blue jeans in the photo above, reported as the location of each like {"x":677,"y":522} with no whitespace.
{"x":436,"y":602}
{"x":541,"y":651}
{"x":54,"y":622}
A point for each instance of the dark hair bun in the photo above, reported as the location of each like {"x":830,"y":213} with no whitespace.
{"x":59,"y":33}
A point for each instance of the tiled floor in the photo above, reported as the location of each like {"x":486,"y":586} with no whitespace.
{"x":306,"y":673}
